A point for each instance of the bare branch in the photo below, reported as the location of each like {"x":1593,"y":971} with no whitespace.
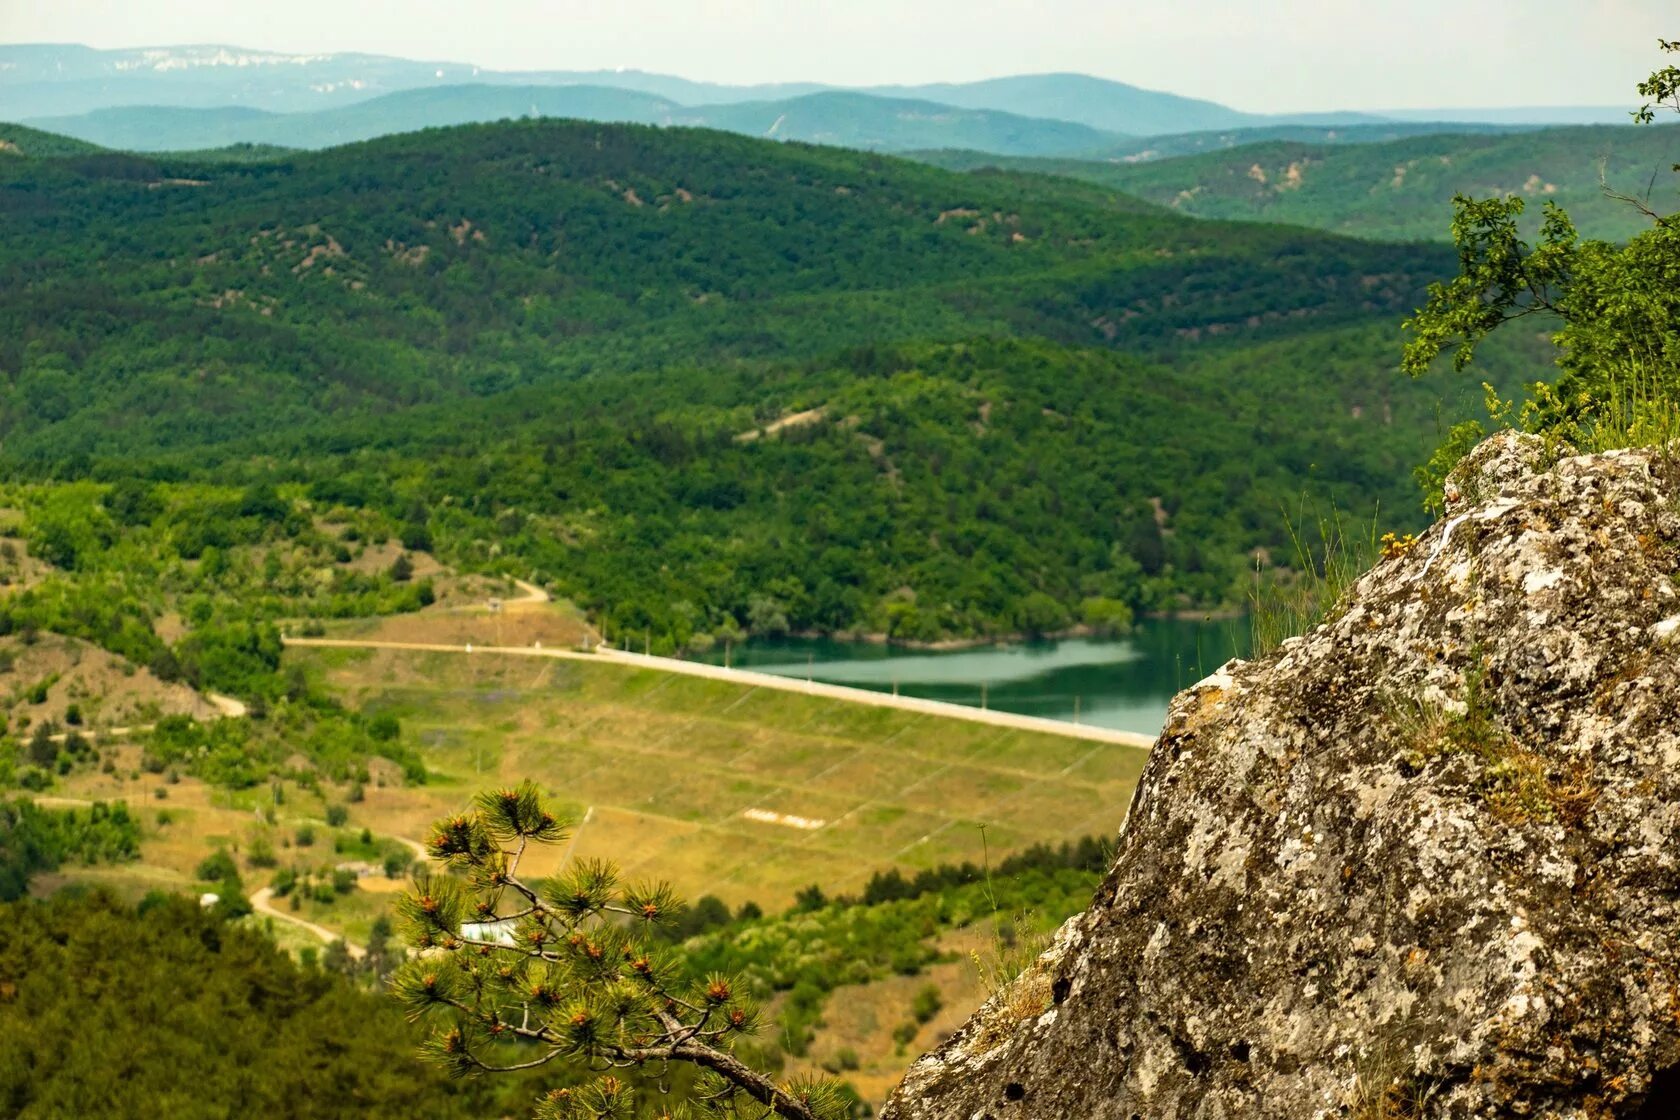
{"x":1634,"y":201}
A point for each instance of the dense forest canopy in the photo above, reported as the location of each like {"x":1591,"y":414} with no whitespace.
{"x":564,"y":349}
{"x":170,"y":1011}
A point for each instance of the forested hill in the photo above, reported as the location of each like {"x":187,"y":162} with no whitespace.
{"x":553,"y":342}
{"x":1398,"y":189}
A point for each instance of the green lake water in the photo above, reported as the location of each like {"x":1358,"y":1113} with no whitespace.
{"x":1123,"y":683}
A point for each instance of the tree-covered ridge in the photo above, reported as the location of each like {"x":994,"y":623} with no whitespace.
{"x":472,"y":260}
{"x":20,"y":140}
{"x":546,"y":338}
{"x":921,"y":492}
{"x":1399,"y":189}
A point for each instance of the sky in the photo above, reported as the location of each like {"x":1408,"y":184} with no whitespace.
{"x":1258,"y":55}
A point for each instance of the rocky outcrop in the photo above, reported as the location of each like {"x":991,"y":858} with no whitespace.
{"x":1423,"y":861}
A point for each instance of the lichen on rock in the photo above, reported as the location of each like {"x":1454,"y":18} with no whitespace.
{"x":1423,"y":861}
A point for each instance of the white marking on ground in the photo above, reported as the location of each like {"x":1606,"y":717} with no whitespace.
{"x":768,"y":816}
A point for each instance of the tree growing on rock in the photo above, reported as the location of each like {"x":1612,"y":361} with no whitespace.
{"x":517,"y":973}
{"x":1616,"y":309}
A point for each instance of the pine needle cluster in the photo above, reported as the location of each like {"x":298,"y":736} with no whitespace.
{"x":517,"y":974}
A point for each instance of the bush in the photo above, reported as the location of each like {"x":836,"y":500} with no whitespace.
{"x":260,"y":852}
{"x":218,"y":867}
{"x":927,"y":1004}
{"x":337,"y":815}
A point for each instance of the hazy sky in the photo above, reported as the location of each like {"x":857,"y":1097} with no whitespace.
{"x":1263,"y":55}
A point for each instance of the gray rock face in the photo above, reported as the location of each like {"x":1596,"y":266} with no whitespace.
{"x":1424,"y":861}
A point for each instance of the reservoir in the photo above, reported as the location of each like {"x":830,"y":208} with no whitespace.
{"x":1123,"y":683}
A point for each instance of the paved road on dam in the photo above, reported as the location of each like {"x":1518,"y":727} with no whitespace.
{"x":606,"y":655}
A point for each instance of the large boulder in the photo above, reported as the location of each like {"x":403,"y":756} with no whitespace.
{"x":1423,"y":861}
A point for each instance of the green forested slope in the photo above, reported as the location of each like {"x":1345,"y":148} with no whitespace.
{"x":1400,"y":189}
{"x":171,"y":1012}
{"x":19,"y":140}
{"x":543,"y":339}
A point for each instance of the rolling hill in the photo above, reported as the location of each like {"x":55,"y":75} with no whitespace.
{"x":17,"y":140}
{"x":541,"y":339}
{"x":1101,"y":103}
{"x":1399,"y":189}
{"x":844,"y":119}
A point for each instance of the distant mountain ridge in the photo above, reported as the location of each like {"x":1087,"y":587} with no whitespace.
{"x":54,"y":80}
{"x":851,"y":120}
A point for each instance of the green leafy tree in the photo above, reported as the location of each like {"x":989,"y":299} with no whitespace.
{"x":525,"y":973}
{"x":1616,"y":310}
{"x":380,"y":955}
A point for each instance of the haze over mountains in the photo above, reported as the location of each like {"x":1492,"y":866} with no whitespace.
{"x":849,"y":120}
{"x":216,"y":95}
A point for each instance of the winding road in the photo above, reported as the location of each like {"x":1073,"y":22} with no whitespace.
{"x":263,"y":903}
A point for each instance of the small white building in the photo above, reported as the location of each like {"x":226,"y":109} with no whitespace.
{"x":499,"y":932}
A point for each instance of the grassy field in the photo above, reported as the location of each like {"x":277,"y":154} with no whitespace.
{"x":720,"y":788}
{"x":666,"y":769}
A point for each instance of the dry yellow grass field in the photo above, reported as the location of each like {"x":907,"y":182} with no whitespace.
{"x":721,"y":788}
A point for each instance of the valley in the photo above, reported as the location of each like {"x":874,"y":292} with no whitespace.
{"x":650,"y":558}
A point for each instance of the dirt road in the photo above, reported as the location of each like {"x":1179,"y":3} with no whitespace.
{"x":263,"y":903}
{"x":766,"y":680}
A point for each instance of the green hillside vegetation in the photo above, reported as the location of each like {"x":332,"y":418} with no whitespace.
{"x":1398,"y":190}
{"x":18,"y":140}
{"x":33,"y":840}
{"x":549,"y":345}
{"x":1192,"y":143}
{"x":228,"y":564}
{"x":168,"y":1011}
{"x":853,"y":120}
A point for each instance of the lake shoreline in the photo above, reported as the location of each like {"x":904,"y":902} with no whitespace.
{"x":951,"y":645}
{"x":1123,"y":682}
